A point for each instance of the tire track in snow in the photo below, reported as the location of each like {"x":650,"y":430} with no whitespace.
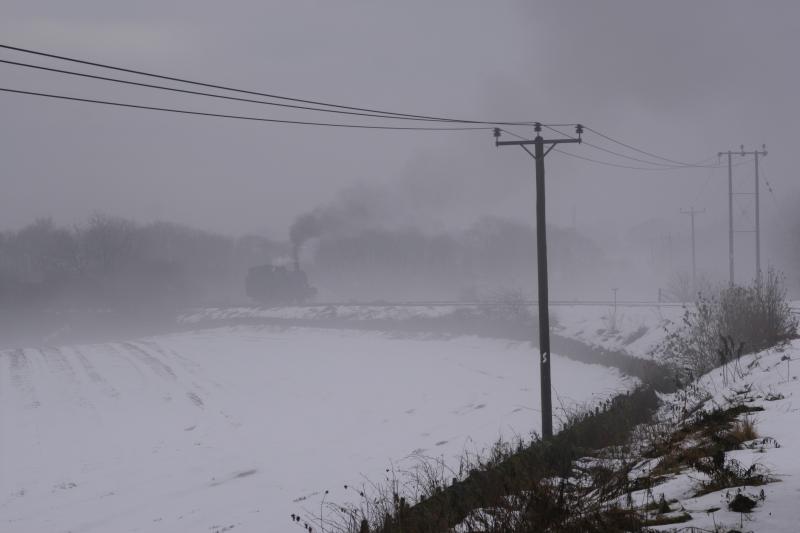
{"x":57,"y":362}
{"x":95,"y":376}
{"x":157,"y":366}
{"x":190,"y":366}
{"x":117,"y":351}
{"x":144,"y":349}
{"x":197,"y":400}
{"x":60,"y":367}
{"x":20,"y":371}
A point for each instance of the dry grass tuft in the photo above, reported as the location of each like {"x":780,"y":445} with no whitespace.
{"x":744,"y":430}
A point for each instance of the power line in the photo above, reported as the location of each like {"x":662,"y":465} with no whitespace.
{"x":644,"y":152}
{"x":636,"y":168}
{"x":245,"y":117}
{"x":638,"y":160}
{"x":263,"y":94}
{"x":339,"y":109}
{"x":606,"y":163}
{"x":648,"y":162}
{"x":213,"y":95}
{"x":616,"y":153}
{"x":617,"y":165}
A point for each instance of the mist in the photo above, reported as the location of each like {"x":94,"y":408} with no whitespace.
{"x":686,"y":90}
{"x":251,"y":252}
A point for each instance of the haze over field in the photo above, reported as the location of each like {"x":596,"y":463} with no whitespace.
{"x":681,"y":87}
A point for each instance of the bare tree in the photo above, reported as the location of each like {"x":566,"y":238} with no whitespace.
{"x":679,"y":287}
{"x":108,"y":242}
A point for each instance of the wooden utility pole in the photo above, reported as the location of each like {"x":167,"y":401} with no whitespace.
{"x":539,"y":154}
{"x":692,"y":212}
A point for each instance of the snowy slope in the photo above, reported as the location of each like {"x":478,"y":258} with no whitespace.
{"x":243,"y":426}
{"x":768,"y":380}
{"x":635,"y":330}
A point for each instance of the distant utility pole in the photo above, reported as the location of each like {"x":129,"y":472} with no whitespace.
{"x":539,"y":154}
{"x":692,"y":212}
{"x":669,"y":251}
{"x":730,"y":216}
{"x":755,"y":154}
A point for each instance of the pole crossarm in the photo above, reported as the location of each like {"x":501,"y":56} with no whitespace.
{"x":551,"y":142}
{"x":538,"y":140}
{"x":692,"y":211}
{"x":762,"y":152}
{"x":534,"y":141}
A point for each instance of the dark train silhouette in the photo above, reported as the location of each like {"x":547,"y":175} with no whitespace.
{"x":278,"y":285}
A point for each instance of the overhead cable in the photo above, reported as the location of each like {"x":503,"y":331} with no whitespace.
{"x":243,"y":117}
{"x":259,"y":93}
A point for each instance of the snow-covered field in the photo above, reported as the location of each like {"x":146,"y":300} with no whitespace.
{"x":239,"y":427}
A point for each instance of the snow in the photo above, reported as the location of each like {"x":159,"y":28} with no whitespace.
{"x":238,"y":427}
{"x":635,"y":330}
{"x":769,"y":380}
{"x":314,"y":312}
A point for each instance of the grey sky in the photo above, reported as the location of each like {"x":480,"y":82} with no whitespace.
{"x":684,"y":79}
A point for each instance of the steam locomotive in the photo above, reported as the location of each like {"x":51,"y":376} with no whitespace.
{"x":278,"y":285}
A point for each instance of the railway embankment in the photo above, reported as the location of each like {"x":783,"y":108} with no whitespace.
{"x":468,"y":322}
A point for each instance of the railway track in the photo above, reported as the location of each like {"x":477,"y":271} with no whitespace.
{"x":445,"y":303}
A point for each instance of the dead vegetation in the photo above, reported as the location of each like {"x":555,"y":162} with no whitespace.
{"x":728,"y":322}
{"x":601,"y":473}
{"x":517,"y":486}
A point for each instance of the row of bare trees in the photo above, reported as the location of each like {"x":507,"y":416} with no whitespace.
{"x":411,"y":264}
{"x":111,"y":262}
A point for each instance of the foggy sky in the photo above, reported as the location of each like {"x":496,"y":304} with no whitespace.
{"x":683,"y":79}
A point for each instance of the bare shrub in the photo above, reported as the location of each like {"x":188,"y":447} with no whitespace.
{"x":759,"y":315}
{"x":728,"y":322}
{"x":692,"y":345}
{"x":508,"y":305}
{"x":679,"y":287}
